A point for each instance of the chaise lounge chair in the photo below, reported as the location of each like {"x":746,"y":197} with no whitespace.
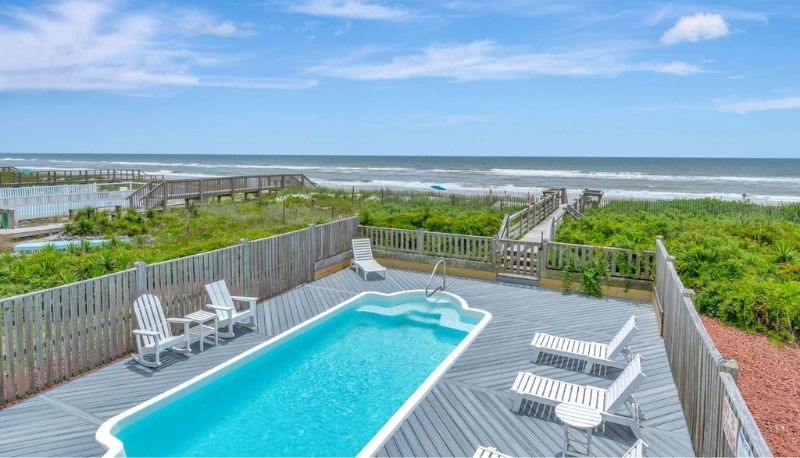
{"x":591,"y":352}
{"x":362,"y":258}
{"x":489,"y":452}
{"x":154,"y":334}
{"x":223,"y":303}
{"x":609,"y":401}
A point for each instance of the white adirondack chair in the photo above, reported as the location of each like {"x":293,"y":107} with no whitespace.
{"x":222,"y":302}
{"x":489,"y":452}
{"x":607,"y":401}
{"x":154,"y":334}
{"x":591,"y":352}
{"x":363,"y":259}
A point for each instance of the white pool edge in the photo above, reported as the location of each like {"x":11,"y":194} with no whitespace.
{"x":411,"y":403}
{"x":115,"y":448}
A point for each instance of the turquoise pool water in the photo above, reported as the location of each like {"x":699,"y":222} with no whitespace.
{"x":324,"y":392}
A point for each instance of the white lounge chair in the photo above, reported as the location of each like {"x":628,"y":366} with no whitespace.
{"x":154,"y":334}
{"x":591,"y":352}
{"x":489,"y":452}
{"x":636,"y":450}
{"x":222,"y":302}
{"x":609,"y":401}
{"x":362,"y":258}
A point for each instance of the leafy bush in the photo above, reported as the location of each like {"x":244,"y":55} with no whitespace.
{"x":739,"y":258}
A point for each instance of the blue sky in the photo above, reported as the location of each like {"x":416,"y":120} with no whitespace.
{"x":461,"y":77}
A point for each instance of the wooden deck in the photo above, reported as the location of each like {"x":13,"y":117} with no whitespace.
{"x":468,"y":407}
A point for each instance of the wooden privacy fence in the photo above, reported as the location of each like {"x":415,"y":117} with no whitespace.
{"x":51,"y":335}
{"x":720,"y":424}
{"x":520,"y":223}
{"x":617,"y":262}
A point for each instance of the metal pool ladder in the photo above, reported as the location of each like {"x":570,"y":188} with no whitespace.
{"x":429,"y":293}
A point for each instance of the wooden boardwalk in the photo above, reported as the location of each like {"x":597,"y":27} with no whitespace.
{"x":468,"y":407}
{"x":542,"y":230}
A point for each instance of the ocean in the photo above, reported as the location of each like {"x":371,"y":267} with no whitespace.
{"x":763,"y":180}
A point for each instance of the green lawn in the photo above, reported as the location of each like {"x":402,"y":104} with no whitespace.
{"x":741,"y":259}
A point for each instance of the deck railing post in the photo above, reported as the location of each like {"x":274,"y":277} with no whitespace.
{"x":543,"y":258}
{"x":420,"y":241}
{"x":141,"y":278}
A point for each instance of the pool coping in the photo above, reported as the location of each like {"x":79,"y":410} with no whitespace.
{"x":114,"y":447}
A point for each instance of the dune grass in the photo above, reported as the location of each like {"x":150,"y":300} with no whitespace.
{"x":155,"y":236}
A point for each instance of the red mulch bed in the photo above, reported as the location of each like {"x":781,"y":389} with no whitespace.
{"x":769,"y":380}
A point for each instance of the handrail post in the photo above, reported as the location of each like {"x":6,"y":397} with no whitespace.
{"x":420,"y":241}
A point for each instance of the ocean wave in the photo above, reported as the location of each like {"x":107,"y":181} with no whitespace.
{"x":635,"y":176}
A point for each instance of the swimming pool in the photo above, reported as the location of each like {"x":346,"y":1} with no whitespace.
{"x":337,"y":385}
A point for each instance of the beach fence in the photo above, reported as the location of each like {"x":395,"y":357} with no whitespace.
{"x":52,"y":335}
{"x":720,"y":424}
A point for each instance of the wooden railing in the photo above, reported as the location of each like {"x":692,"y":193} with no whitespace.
{"x":516,"y":225}
{"x":502,"y":256}
{"x":426,"y":243}
{"x":616,"y":262}
{"x":160,"y":194}
{"x":52,"y":335}
{"x":59,"y":177}
{"x":720,"y":424}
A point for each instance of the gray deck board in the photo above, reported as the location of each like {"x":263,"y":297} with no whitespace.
{"x":469,"y":406}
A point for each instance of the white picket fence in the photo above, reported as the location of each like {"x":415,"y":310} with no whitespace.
{"x":63,"y":208}
{"x":41,"y":191}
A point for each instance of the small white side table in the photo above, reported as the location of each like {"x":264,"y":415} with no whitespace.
{"x":578,"y":417}
{"x":201,"y":318}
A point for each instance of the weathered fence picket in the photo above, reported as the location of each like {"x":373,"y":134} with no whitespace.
{"x":702,"y":376}
{"x":51,"y":335}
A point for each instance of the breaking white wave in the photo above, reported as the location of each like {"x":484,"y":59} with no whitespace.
{"x":635,"y":176}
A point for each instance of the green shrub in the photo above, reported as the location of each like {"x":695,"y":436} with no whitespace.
{"x":739,"y":258}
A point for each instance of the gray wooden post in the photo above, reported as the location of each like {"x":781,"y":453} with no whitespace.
{"x":141,"y":278}
{"x":543,"y":258}
{"x":247,"y":268}
{"x":200,"y":190}
{"x":420,"y":241}
{"x":312,"y":249}
{"x":731,"y":367}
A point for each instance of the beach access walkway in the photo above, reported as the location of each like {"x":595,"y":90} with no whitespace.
{"x":542,"y":230}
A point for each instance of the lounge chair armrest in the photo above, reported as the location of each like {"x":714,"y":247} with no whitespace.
{"x":142,"y":332}
{"x":179,"y":320}
{"x":244,"y":298}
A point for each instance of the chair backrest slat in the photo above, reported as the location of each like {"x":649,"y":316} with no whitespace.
{"x":150,"y":316}
{"x":625,"y":384}
{"x":623,"y":337}
{"x":362,"y":250}
{"x":220,"y":296}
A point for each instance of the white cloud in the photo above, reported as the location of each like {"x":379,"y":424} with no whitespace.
{"x":351,"y":9}
{"x":486,"y":60}
{"x":746,"y":106}
{"x":701,"y":26}
{"x":90,"y":45}
{"x":195,"y":22}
